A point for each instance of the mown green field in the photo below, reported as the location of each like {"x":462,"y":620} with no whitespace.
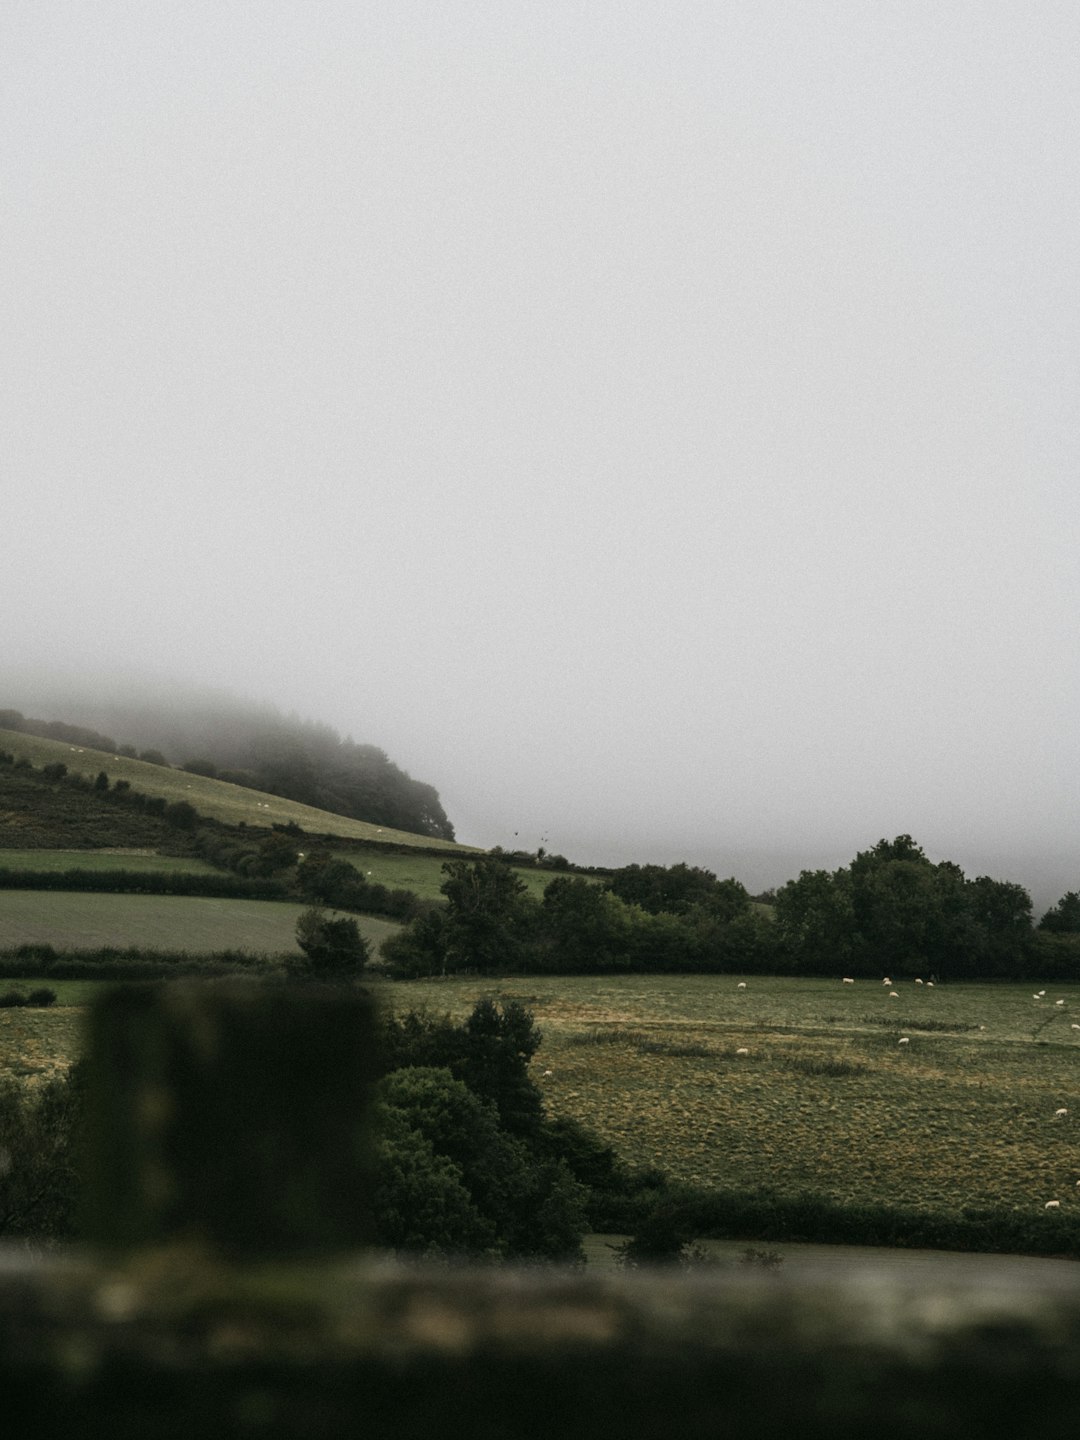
{"x":79,"y":920}
{"x":214,"y":798}
{"x":825,"y":1099}
{"x":115,"y":859}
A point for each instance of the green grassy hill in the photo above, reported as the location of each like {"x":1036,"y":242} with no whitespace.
{"x":216,"y":799}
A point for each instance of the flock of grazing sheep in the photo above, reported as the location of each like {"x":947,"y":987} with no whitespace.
{"x":1061,"y":1113}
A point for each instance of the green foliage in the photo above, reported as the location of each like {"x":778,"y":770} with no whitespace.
{"x":39,"y":1171}
{"x":893,"y":912}
{"x":487,"y":914}
{"x":661,"y":1238}
{"x":677,"y":889}
{"x":492,"y":926}
{"x":531,"y":1207}
{"x":1064,"y":917}
{"x":420,"y":1200}
{"x":465,"y":1090}
{"x":334,"y":951}
{"x":38,"y":999}
{"x":181,"y":815}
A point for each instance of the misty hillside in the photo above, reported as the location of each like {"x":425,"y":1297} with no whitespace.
{"x":258,"y":747}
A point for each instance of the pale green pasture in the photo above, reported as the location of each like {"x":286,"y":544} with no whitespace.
{"x":423,"y":874}
{"x":78,"y":920}
{"x":214,"y":798}
{"x":142,"y":860}
{"x":965,"y":1116}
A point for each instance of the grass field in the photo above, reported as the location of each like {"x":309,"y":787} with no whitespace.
{"x":422,"y":874}
{"x":78,"y":920}
{"x":115,"y":859}
{"x":825,"y":1099}
{"x":214,"y":798}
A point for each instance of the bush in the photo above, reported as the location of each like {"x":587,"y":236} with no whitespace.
{"x":334,"y":950}
{"x":43,"y":997}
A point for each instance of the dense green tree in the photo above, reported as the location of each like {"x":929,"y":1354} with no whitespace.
{"x":585,"y":927}
{"x":420,"y":1202}
{"x":334,"y":951}
{"x":517,"y":1192}
{"x":1064,"y":917}
{"x":815,"y":921}
{"x":467,"y":1090}
{"x":893,"y":911}
{"x":678,"y":888}
{"x":488,"y":915}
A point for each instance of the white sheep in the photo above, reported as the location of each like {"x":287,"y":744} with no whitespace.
{"x":1059,"y":1002}
{"x":741,"y":985}
{"x":1063,"y":1110}
{"x":1052,"y":1205}
{"x":929,"y":984}
{"x":917,"y":980}
{"x":742,"y":1050}
{"x":886,"y":981}
{"x":848,"y":980}
{"x":1074,"y":1026}
{"x":893,"y":995}
{"x":903,"y":1040}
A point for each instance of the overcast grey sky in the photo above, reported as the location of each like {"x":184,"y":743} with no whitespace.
{"x":655,"y":425}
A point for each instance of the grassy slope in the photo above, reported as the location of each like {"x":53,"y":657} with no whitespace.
{"x":214,"y":798}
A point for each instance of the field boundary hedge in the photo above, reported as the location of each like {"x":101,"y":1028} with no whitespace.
{"x":816,"y":1219}
{"x":31,"y":962}
{"x":147,"y":882}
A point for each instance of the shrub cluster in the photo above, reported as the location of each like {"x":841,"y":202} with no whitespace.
{"x":37,"y":999}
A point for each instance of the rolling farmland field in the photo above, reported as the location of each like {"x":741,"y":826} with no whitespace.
{"x":78,"y":920}
{"x":825,"y":1099}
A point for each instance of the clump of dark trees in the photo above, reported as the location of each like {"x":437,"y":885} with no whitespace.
{"x":891,"y":911}
{"x":468,"y":1162}
{"x":263,"y":749}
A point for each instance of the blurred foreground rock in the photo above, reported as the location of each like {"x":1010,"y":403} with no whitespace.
{"x":174,"y":1343}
